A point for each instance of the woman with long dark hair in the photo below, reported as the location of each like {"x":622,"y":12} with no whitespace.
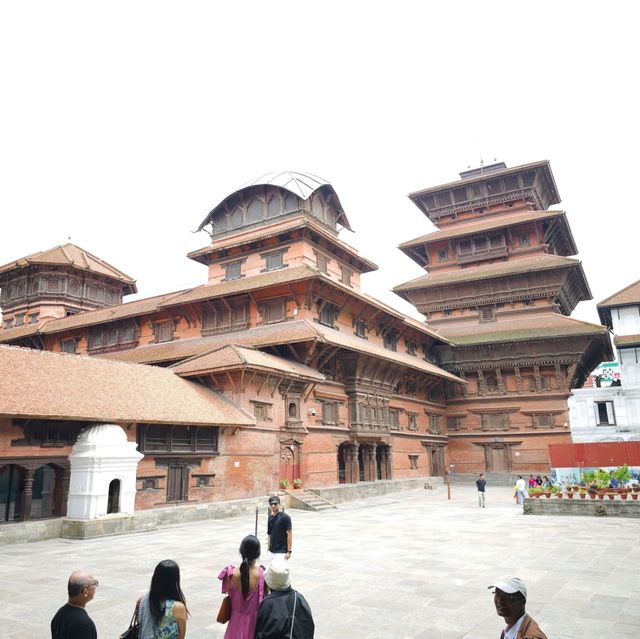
{"x":246,"y":588}
{"x":162,"y":612}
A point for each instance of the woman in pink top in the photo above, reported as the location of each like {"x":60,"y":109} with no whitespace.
{"x":246,"y":587}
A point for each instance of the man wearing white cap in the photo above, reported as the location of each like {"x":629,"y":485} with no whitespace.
{"x":284,"y":613}
{"x":510,"y":598}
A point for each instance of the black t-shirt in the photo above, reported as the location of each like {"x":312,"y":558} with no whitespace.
{"x":71,"y":622}
{"x":277,"y":527}
{"x":481,"y":483}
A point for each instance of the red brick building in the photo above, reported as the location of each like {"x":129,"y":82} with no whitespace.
{"x":339,"y":387}
{"x":501,"y":285}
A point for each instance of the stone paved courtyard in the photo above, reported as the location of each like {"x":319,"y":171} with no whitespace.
{"x":406,"y":565}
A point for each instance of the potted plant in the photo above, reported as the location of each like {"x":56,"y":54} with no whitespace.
{"x":284,"y":484}
{"x":583,"y":493}
{"x":634,"y":496}
{"x":297,"y":483}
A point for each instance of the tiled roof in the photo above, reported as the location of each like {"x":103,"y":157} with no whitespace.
{"x":72,"y":255}
{"x":279,"y":226}
{"x":109,"y":314}
{"x":627,"y":296}
{"x":270,"y":335}
{"x":270,"y":278}
{"x":487,"y":271}
{"x":40,"y":384}
{"x":233,"y":357}
{"x":531,"y":328}
{"x":265,"y":335}
{"x":480,"y":177}
{"x":475,"y":226}
{"x":18,"y":332}
{"x":626,"y":340}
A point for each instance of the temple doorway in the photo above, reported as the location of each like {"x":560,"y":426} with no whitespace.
{"x":113,"y":500}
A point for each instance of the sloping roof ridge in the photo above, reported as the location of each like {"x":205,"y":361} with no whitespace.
{"x":495,"y":266}
{"x":462,"y":226}
{"x":607,"y":301}
{"x":84,"y":253}
{"x":72,"y":319}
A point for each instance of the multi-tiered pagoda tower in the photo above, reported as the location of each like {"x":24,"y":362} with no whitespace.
{"x":501,"y":285}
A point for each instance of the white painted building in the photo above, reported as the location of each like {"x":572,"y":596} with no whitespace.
{"x":609,"y":409}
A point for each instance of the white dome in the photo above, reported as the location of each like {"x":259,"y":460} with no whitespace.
{"x":103,"y":434}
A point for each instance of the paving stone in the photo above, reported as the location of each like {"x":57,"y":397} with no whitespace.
{"x":412,"y":565}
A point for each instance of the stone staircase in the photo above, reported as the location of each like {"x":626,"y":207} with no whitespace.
{"x":306,"y":500}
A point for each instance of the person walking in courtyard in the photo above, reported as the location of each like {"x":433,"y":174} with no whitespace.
{"x":279,"y":531}
{"x":510,"y":599}
{"x":481,"y":484}
{"x":246,"y":589}
{"x":72,"y":620}
{"x":284,"y":613}
{"x":162,"y":612}
{"x":520,"y":490}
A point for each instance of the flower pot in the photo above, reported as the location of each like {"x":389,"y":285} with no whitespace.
{"x":583,"y":495}
{"x":600,"y":496}
{"x":634,"y":496}
{"x":547,"y":494}
{"x":570,"y":495}
{"x":623,"y":495}
{"x":593,"y":495}
{"x":559,"y":495}
{"x":611,"y":495}
{"x":296,"y":486}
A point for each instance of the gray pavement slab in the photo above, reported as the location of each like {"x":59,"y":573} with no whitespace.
{"x":410,"y":565}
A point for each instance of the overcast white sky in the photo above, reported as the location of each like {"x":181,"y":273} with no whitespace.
{"x":123,"y":123}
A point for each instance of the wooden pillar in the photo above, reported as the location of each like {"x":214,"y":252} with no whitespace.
{"x":27,"y":495}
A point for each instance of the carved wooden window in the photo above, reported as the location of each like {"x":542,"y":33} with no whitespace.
{"x":360,"y":328}
{"x":19,"y":319}
{"x":487,"y":314}
{"x":330,"y":413}
{"x":33,"y":318}
{"x":236,"y":218}
{"x":411,"y":347}
{"x":546,"y":382}
{"x":233,"y":271}
{"x":177,"y":439}
{"x":322,"y":262}
{"x":394,"y":419}
{"x":411,"y":388}
{"x":163,"y":331}
{"x":412,"y":421}
{"x":255,"y":210}
{"x":495,"y":421}
{"x":49,"y":433}
{"x":221,"y":317}
{"x":434,"y":424}
{"x":273,"y":261}
{"x":262,"y":411}
{"x":543,"y":420}
{"x":453,"y":423}
{"x":390,"y":340}
{"x":68,"y":345}
{"x":274,"y":311}
{"x":413,"y":462}
{"x":328,"y":313}
{"x":274,"y":206}
{"x":345,"y":277}
{"x":525,"y":240}
{"x":8,"y":323}
{"x":443,"y":255}
{"x":113,"y":336}
{"x":491,"y":382}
